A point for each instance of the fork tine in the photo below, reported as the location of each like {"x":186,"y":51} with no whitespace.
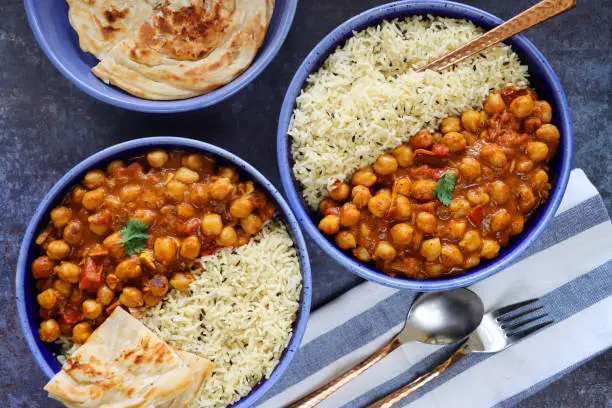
{"x":522,"y":334}
{"x":509,"y":328}
{"x":508,"y":319}
{"x":506,"y":309}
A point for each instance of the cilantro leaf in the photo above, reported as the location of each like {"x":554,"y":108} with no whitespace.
{"x":134,"y":237}
{"x":444,"y":188}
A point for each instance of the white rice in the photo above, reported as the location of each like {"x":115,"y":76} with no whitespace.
{"x":366,"y":99}
{"x":238,"y":312}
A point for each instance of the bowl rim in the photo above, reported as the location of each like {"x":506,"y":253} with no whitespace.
{"x":111,"y":152}
{"x":337,"y":37}
{"x":262,"y":59}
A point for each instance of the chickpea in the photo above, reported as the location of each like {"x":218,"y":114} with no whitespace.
{"x":349,"y":215}
{"x":477,"y":196}
{"x":212,"y":224}
{"x":543,"y":110}
{"x":73,"y":232}
{"x":402,"y":234}
{"x":58,"y":250}
{"x":385,"y":251}
{"x":327,"y":204}
{"x":105,"y":295}
{"x":76,"y":196}
{"x":92,"y":200}
{"x":165,"y":249}
{"x":176,"y":190}
{"x":548,"y":133}
{"x":404,"y":155}
{"x":196,"y":161}
{"x":537,"y":151}
{"x":379,"y":205}
{"x":94,"y":179}
{"x":531,"y":124}
{"x":81,"y":332}
{"x":434,"y":270}
{"x":221,"y":188}
{"x":190,"y":247}
{"x":63,"y":288}
{"x":187,"y":176}
{"x":100,"y":222}
{"x":494,"y":155}
{"x":130,"y":192}
{"x":526,"y":198}
{"x":500,"y":220}
{"x":131,"y":297}
{"x":48,"y":299}
{"x":130,"y":268}
{"x":346,"y":240}
{"x":362,"y":254}
{"x":431,"y":249}
{"x":228,"y":237}
{"x":450,"y":255}
{"x":60,"y":216}
{"x":422,"y":140}
{"x":500,"y":192}
{"x":199,"y":194}
{"x":403,"y":186}
{"x":459,"y":207}
{"x":522,"y":106}
{"x":493,"y":104}
{"x":524,"y":165}
{"x":450,"y":124}
{"x":150,"y":299}
{"x":159,"y":285}
{"x":49,"y":331}
{"x":455,"y":229}
{"x":402,"y":207}
{"x":228,"y":173}
{"x":330,"y":224}
{"x":91,"y":309}
{"x":518,"y":223}
{"x":361,"y":196}
{"x":423,"y":190}
{"x":490,"y":249}
{"x":471,"y":120}
{"x":469,"y":168}
{"x":364,"y":177}
{"x":68,"y":272}
{"x":241,"y":207}
{"x":471,"y":261}
{"x":454,"y":141}
{"x":157,"y":158}
{"x":385,"y":165}
{"x":471,"y":241}
{"x":112,"y":202}
{"x":426,"y":222}
{"x":42,"y":267}
{"x":340,"y":191}
{"x":539,"y":180}
{"x":181,"y":281}
{"x":251,"y":224}
{"x":114,"y":165}
{"x":112,"y":281}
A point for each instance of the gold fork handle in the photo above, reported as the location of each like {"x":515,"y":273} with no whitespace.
{"x":401,"y":393}
{"x":318,"y":395}
{"x":528,"y":18}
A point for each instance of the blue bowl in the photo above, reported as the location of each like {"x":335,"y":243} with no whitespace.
{"x":49,"y":22}
{"x":25,"y":285}
{"x":543,"y":80}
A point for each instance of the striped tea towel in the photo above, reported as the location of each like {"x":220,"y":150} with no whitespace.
{"x":569,"y":267}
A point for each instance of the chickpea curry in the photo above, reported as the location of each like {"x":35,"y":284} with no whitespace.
{"x":129,"y":234}
{"x":445,"y":200}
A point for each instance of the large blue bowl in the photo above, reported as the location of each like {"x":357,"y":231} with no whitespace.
{"x":49,"y":22}
{"x":542,"y":78}
{"x":25,"y":286}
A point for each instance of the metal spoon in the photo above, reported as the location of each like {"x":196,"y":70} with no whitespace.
{"x":528,"y":18}
{"x":434,"y":318}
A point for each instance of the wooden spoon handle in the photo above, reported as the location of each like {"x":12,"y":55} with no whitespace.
{"x":528,"y":18}
{"x":318,"y":395}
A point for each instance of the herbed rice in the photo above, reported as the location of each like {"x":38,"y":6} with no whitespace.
{"x":366,"y":99}
{"x":238,"y":312}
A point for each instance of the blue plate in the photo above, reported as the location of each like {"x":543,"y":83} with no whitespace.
{"x":25,"y":286}
{"x":49,"y":22}
{"x":543,"y":79}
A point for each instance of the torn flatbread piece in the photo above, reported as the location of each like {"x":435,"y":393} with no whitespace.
{"x":124,"y":364}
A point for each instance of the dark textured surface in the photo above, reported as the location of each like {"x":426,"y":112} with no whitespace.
{"x":47,"y":126}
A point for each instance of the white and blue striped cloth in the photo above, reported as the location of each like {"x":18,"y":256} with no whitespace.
{"x":569,"y":267}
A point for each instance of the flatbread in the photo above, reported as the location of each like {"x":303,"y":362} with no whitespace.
{"x":124,"y":364}
{"x":183,"y":48}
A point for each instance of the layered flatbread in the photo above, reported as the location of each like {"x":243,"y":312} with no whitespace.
{"x":124,"y":364}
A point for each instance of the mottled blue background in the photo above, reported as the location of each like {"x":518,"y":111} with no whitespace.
{"x":47,"y":126}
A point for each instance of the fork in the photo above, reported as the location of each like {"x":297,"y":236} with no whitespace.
{"x":498,"y":330}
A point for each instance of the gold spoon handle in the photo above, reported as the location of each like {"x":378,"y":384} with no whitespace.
{"x":401,"y":393}
{"x":528,"y":18}
{"x":318,"y":395}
